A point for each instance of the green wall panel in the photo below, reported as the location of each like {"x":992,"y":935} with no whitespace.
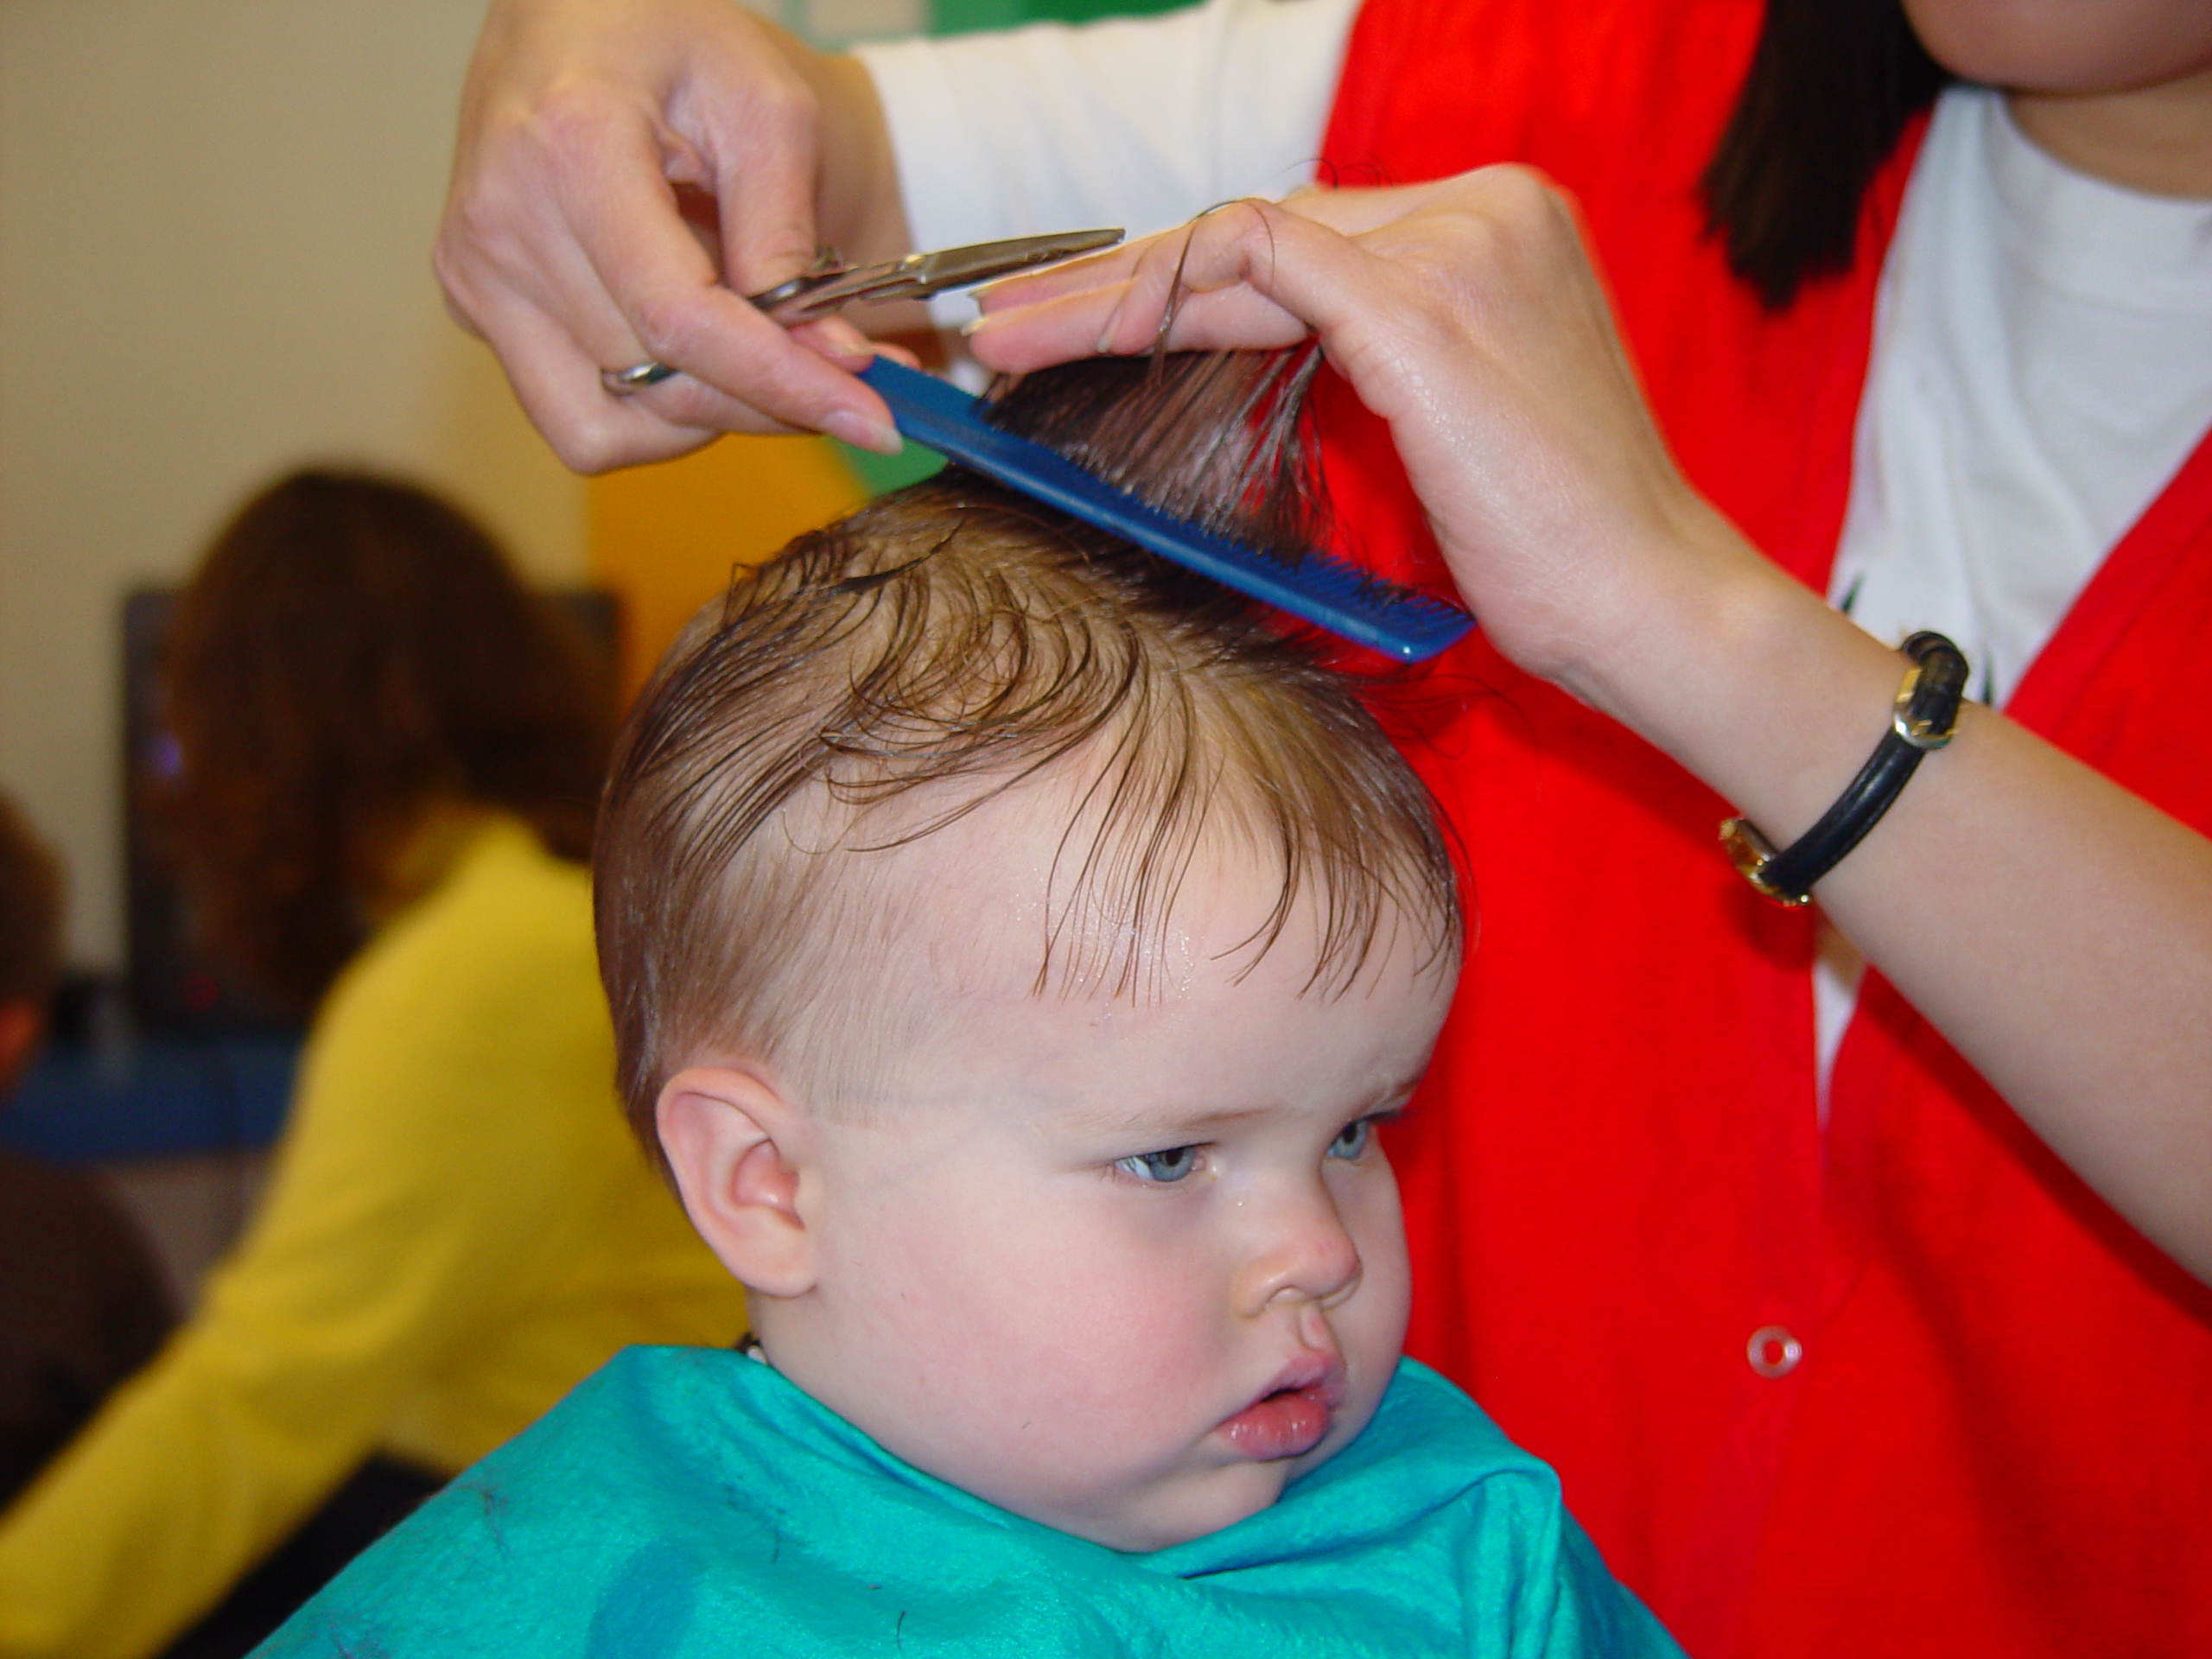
{"x":956,"y":16}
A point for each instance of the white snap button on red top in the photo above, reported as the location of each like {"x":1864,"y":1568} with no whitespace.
{"x":1773,"y":1351}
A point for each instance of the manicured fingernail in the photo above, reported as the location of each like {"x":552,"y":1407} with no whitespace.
{"x":973,"y":327}
{"x":863,"y":433}
{"x":1106,"y":335}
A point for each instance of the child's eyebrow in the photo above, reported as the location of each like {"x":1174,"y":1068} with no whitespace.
{"x":1199,"y":1122}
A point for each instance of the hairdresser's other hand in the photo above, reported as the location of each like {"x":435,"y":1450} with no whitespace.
{"x":628,"y":170}
{"x":1467,"y":315}
{"x":2055,"y":928}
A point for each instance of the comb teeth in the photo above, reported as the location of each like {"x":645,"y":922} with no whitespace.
{"x":1383,"y":616}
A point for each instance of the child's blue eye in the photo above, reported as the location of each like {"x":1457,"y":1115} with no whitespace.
{"x":1162,"y":1168}
{"x":1351,"y":1139}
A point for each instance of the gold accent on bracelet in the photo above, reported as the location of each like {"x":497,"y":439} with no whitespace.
{"x":1751,"y":852}
{"x":1923,"y":717}
{"x":1921,"y":733}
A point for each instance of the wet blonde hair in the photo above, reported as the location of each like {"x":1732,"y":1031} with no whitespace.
{"x":883,"y":678}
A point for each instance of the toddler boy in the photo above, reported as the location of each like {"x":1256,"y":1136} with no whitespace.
{"x":1013,"y":947}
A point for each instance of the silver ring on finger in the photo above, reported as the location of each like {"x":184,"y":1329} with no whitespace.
{"x":624,"y":383}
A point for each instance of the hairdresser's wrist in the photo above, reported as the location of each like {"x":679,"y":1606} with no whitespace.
{"x":1717,"y":657}
{"x":1604,"y":604}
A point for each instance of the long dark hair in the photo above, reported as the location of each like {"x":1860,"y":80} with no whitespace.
{"x":351,"y":652}
{"x":1832,"y":86}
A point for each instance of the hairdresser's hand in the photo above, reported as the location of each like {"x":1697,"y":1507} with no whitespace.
{"x":2055,"y":928}
{"x":1467,"y":315}
{"x":626,"y":171}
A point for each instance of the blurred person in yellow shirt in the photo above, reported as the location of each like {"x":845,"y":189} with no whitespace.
{"x":389,"y":753}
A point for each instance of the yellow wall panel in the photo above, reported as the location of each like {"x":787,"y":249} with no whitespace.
{"x":665,"y":538}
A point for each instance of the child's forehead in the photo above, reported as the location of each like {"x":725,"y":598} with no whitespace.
{"x":1043,"y":915}
{"x":1217,"y":1037}
{"x":1024,"y":877}
{"x":1021,"y":890}
{"x":1008,"y":913}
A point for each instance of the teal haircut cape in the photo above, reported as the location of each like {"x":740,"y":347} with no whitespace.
{"x":690,"y":1501}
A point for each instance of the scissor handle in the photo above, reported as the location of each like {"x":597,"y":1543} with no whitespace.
{"x":828,"y":265}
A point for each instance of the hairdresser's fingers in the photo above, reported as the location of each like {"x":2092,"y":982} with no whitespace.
{"x":896,"y":354}
{"x":1096,"y":271}
{"x":690,"y":405}
{"x":565,"y":246}
{"x":558,"y":387}
{"x":1092,"y":322}
{"x":1352,"y":211}
{"x":1345,"y":211}
{"x":1226,"y":251}
{"x":676,"y":307}
{"x":1473,"y":323}
{"x":1486,"y":340}
{"x":1115,"y":269}
{"x":1202,"y":281}
{"x":755,"y":127}
{"x":1105,"y":269}
{"x":557,"y":384}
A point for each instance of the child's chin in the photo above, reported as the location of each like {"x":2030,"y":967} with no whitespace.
{"x":1203,"y":1503}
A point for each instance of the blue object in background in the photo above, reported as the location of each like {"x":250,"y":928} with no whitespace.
{"x":103,"y":1105}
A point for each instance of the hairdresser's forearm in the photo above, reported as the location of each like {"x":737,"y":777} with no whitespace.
{"x":2055,"y":928}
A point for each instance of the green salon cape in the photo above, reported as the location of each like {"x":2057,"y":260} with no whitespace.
{"x":687,"y":1501}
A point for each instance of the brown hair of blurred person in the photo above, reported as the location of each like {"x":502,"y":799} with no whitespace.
{"x":353,"y":654}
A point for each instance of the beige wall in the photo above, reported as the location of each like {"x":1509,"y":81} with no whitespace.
{"x":214,"y":219}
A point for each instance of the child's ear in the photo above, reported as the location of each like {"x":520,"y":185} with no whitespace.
{"x":739,"y":1151}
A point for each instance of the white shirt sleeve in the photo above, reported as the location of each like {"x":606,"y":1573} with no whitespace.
{"x":1135,"y":122}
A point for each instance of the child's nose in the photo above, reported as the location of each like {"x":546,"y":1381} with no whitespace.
{"x":1306,"y":1252}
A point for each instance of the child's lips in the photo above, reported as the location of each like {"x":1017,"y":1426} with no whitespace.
{"x":1293,"y":1416}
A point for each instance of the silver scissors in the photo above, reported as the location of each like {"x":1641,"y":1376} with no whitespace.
{"x":832,"y":284}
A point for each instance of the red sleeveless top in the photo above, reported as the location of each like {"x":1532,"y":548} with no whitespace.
{"x":1996,"y":1437}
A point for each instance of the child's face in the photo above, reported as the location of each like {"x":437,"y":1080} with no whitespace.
{"x":1125,"y":1269}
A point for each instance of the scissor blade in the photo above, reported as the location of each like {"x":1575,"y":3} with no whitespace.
{"x":950,"y":268}
{"x":918,"y":276}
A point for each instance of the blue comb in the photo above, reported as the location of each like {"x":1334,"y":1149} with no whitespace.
{"x":1327,"y":592}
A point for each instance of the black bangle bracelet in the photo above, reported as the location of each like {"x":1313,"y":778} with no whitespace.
{"x":1926,"y":715}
